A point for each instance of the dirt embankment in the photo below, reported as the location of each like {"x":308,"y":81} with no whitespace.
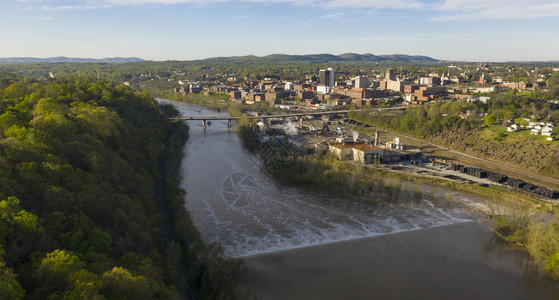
{"x":529,"y":159}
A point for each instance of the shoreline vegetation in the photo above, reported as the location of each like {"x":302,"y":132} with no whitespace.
{"x":536,"y":230}
{"x":326,"y":174}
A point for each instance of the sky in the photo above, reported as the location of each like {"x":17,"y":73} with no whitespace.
{"x":458,"y":30}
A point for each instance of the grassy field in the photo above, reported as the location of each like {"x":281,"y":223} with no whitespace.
{"x":500,"y":133}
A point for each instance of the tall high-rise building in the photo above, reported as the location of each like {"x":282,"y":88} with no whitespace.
{"x":326,"y":77}
{"x":390,"y":75}
{"x":361,"y":82}
{"x":325,"y":81}
{"x":323,"y":77}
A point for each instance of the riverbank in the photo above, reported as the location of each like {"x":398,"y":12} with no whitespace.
{"x":218,"y":103}
{"x":326,"y":175}
{"x":201,"y":267}
{"x":460,"y":261}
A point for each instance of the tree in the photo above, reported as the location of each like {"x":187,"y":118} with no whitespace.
{"x":9,"y":286}
{"x":84,"y":285}
{"x":83,"y":157}
{"x":19,"y":231}
{"x":521,"y":121}
{"x":508,"y":115}
{"x":53,"y":271}
{"x":119,"y":283}
{"x":490,"y":120}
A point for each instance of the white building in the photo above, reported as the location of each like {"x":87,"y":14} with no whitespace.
{"x":395,"y":85}
{"x":513,"y":128}
{"x":547,"y":130}
{"x":485,"y":90}
{"x":322,"y":89}
{"x":535,"y":124}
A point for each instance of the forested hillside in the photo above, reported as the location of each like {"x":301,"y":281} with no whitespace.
{"x":78,"y":214}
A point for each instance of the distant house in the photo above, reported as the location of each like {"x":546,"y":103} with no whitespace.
{"x":547,"y":130}
{"x":195,"y":88}
{"x":513,"y":128}
{"x":535,"y":124}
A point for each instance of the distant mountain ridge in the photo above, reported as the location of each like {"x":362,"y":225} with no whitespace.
{"x":63,"y":59}
{"x":272,"y":58}
{"x":325,"y":57}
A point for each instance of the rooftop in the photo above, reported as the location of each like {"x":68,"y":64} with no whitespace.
{"x":362,"y":147}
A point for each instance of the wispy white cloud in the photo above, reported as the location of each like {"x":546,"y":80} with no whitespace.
{"x":375,"y":4}
{"x":442,"y":10}
{"x":74,"y":7}
{"x":208,"y":2}
{"x":340,"y":17}
{"x":420,"y":38}
{"x":497,"y":9}
{"x":322,"y":3}
{"x":452,"y":9}
{"x":30,"y":18}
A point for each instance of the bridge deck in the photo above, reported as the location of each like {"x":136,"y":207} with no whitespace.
{"x":282,"y":115}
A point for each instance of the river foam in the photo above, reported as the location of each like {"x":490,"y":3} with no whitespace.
{"x":276,"y":218}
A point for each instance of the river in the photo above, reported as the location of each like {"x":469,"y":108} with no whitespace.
{"x":233,"y":202}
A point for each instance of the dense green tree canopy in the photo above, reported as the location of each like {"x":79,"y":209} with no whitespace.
{"x":79,"y":162}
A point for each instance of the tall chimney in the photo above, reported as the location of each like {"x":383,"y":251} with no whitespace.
{"x":376,"y":138}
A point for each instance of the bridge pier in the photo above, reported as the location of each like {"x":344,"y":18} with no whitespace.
{"x":229,"y":123}
{"x":204,"y":124}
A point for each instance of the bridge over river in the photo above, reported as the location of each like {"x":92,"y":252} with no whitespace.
{"x":283,"y":116}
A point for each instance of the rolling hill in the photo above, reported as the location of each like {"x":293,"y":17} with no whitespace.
{"x":63,"y":59}
{"x":321,"y":58}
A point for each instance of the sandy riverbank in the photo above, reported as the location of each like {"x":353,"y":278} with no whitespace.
{"x":460,"y":261}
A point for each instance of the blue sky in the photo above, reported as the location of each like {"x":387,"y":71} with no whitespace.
{"x":470,"y":30}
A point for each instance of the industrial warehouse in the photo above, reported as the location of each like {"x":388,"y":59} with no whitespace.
{"x":331,"y":134}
